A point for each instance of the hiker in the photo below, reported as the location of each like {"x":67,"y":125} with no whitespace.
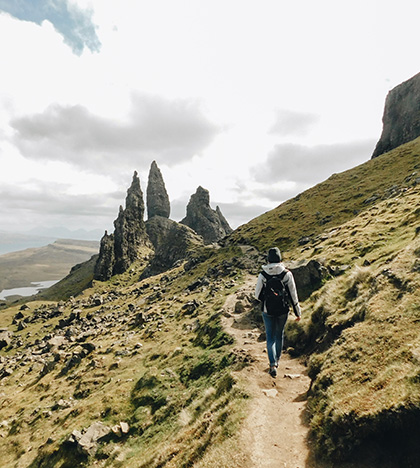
{"x":276,"y":289}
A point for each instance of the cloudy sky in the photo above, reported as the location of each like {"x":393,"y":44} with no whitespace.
{"x":254,"y":100}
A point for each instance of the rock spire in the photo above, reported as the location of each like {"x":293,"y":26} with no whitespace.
{"x":209,"y":223}
{"x":172,"y":242}
{"x":157,"y":197}
{"x":120,"y":249}
{"x":401,"y":119}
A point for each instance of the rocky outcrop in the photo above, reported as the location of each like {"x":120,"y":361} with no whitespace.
{"x":157,"y":197}
{"x":106,"y":260}
{"x":401,"y":119}
{"x":172,"y":242}
{"x":208,"y":223}
{"x":5,"y":337}
{"x":308,"y":275}
{"x":120,"y":249}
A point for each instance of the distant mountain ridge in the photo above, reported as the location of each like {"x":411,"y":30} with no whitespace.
{"x":60,"y":232}
{"x":12,"y":241}
{"x":38,"y":237}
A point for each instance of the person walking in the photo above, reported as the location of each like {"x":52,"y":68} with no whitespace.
{"x":276,"y":289}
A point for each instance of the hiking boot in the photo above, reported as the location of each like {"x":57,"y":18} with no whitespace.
{"x":273,"y":371}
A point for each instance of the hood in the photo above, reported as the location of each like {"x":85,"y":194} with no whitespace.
{"x":274,"y":268}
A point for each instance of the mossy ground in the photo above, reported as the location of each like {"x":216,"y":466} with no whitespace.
{"x":359,"y":333}
{"x":169,"y":378}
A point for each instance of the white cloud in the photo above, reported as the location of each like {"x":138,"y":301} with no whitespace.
{"x":290,"y":122}
{"x":172,"y":131}
{"x":311,"y":164}
{"x":51,"y":205}
{"x":168,"y":78}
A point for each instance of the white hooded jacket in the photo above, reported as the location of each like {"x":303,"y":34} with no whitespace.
{"x":288,"y":281}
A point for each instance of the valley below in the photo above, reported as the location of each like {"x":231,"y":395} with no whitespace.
{"x":51,"y":262}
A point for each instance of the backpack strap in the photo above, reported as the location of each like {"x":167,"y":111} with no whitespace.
{"x":268,"y":276}
{"x":265,"y":274}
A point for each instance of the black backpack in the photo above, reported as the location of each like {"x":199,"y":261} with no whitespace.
{"x":275,"y":295}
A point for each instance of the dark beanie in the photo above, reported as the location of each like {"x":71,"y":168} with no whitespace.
{"x":274,"y":255}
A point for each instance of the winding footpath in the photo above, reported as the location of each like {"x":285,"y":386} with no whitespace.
{"x":274,"y":434}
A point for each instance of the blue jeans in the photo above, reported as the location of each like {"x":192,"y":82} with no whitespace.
{"x":274,"y":330}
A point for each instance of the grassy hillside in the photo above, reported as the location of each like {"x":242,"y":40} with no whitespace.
{"x":51,"y":262}
{"x":153,"y":354}
{"x":148,"y":353}
{"x":333,"y":202}
{"x":360,"y":331}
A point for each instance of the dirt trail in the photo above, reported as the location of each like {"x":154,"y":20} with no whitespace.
{"x":274,"y":433}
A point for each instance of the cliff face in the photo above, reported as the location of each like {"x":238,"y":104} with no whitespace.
{"x":130,"y":230}
{"x":209,"y":223}
{"x":401,"y":119}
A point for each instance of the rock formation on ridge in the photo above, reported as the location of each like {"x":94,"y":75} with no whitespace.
{"x":106,"y":260}
{"x":157,"y":196}
{"x":209,"y":223}
{"x":401,"y":119}
{"x":172,"y":242}
{"x":119,"y":250}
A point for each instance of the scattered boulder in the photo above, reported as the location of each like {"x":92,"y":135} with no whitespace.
{"x":121,"y":429}
{"x":5,"y":337}
{"x":208,"y":223}
{"x":87,"y":442}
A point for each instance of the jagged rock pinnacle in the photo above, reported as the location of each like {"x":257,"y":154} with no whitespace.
{"x":120,"y":249}
{"x":210,"y":224}
{"x":157,"y":198}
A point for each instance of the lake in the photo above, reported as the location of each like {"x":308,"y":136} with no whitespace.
{"x":27,"y":291}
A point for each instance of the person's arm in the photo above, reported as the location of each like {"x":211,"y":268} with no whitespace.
{"x":259,"y":286}
{"x":291,"y":285}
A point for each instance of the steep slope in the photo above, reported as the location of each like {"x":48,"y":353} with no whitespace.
{"x":141,"y":372}
{"x":333,"y":202}
{"x":360,"y":330}
{"x":130,"y":373}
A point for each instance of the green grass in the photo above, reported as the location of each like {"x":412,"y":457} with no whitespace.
{"x":333,"y":202}
{"x":175,"y":389}
{"x":359,"y":335}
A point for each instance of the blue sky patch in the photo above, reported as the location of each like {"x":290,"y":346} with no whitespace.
{"x":74,"y":24}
